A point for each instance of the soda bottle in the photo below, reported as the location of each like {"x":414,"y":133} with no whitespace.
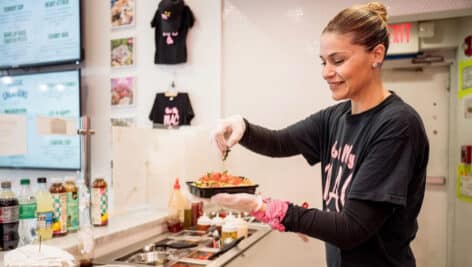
{"x":44,"y":213}
{"x":27,"y":227}
{"x":59,"y":198}
{"x":72,"y":204}
{"x":99,"y":207}
{"x":8,"y":217}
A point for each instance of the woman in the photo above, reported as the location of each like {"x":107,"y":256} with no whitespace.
{"x":373,"y":152}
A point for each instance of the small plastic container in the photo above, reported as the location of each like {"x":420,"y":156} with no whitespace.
{"x":229,"y":218}
{"x":229,"y":232}
{"x":242,"y":228}
{"x":203,"y":223}
{"x":218,"y":223}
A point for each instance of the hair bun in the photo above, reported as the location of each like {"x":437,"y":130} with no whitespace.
{"x":379,"y":9}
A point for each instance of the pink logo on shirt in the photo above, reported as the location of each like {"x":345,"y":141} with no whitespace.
{"x":171,"y":117}
{"x":347,"y":159}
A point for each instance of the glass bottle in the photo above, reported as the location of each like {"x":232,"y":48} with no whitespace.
{"x":99,"y":208}
{"x":85,"y":233}
{"x":72,"y":204}
{"x":59,"y":197}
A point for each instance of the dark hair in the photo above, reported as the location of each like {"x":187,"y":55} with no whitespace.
{"x":367,"y":23}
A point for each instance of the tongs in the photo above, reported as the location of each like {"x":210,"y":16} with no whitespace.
{"x":225,"y":153}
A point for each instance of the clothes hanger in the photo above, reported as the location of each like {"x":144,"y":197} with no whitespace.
{"x":171,"y":91}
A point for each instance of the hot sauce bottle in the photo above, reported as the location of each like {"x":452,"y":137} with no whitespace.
{"x":99,"y":210}
{"x":59,"y":198}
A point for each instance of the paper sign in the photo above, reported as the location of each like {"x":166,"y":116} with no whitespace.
{"x":464,"y":182}
{"x":465,"y":78}
{"x":466,"y":186}
{"x":12,"y":135}
{"x":55,"y":126}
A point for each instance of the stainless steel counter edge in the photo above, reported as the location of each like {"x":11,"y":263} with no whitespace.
{"x":122,"y":230}
{"x":262,"y":231}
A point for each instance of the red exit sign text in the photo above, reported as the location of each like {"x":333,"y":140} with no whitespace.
{"x":400,"y":33}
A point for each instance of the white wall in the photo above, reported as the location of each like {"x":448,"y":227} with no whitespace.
{"x":199,"y":76}
{"x":461,"y":225}
{"x":267,"y":62}
{"x":272,"y":76}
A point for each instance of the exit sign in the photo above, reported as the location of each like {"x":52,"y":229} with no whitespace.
{"x":403,"y":38}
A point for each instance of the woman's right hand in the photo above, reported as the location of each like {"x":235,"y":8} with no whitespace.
{"x":228,"y":132}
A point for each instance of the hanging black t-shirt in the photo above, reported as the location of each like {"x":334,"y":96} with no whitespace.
{"x":171,"y":47}
{"x":171,"y":112}
{"x":377,"y":156}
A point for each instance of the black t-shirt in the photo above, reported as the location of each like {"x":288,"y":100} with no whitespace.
{"x":171,"y":112}
{"x":171,"y":47}
{"x":377,"y":156}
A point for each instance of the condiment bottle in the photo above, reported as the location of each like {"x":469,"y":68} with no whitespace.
{"x":44,"y":211}
{"x":229,"y":232}
{"x":99,"y":211}
{"x":177,"y":202}
{"x":197,"y":211}
{"x":9,"y":218}
{"x":229,"y":218}
{"x":59,"y":198}
{"x":203,"y":223}
{"x":218,"y":223}
{"x":242,"y":227}
{"x":187,"y":215}
{"x":72,"y":204}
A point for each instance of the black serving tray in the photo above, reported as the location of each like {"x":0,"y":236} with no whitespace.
{"x":208,"y":192}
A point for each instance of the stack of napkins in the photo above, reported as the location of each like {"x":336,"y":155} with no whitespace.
{"x":31,"y":256}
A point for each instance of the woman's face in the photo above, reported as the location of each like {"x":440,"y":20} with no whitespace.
{"x":347,"y":67}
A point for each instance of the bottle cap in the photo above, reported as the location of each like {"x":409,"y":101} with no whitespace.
{"x":204,"y":220}
{"x":69,"y":179}
{"x":229,"y":227}
{"x":218,"y":221}
{"x":42,"y":180}
{"x":176,"y":184}
{"x":25,"y":181}
{"x":229,"y":218}
{"x":56,"y":180}
{"x":6,"y":184}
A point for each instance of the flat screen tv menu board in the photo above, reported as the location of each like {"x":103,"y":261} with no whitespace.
{"x":39,"y":32}
{"x":42,"y":98}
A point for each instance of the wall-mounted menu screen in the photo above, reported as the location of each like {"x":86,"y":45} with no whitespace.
{"x":49,"y":105}
{"x":39,"y":32}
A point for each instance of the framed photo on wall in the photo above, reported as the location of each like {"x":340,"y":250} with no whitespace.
{"x":123,"y":13}
{"x":123,"y":91}
{"x":123,"y":121}
{"x":122,"y":52}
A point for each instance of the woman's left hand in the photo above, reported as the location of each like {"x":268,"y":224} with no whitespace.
{"x":242,"y":201}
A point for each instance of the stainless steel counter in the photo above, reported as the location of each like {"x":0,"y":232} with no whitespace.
{"x":258,"y":231}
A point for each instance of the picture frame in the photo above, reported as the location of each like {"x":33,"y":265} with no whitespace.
{"x":123,"y":91}
{"x":122,"y":53}
{"x":122,"y":13}
{"x":123,"y":121}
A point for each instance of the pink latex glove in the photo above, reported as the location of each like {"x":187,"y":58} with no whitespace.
{"x":241,"y":201}
{"x":266,"y":210}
